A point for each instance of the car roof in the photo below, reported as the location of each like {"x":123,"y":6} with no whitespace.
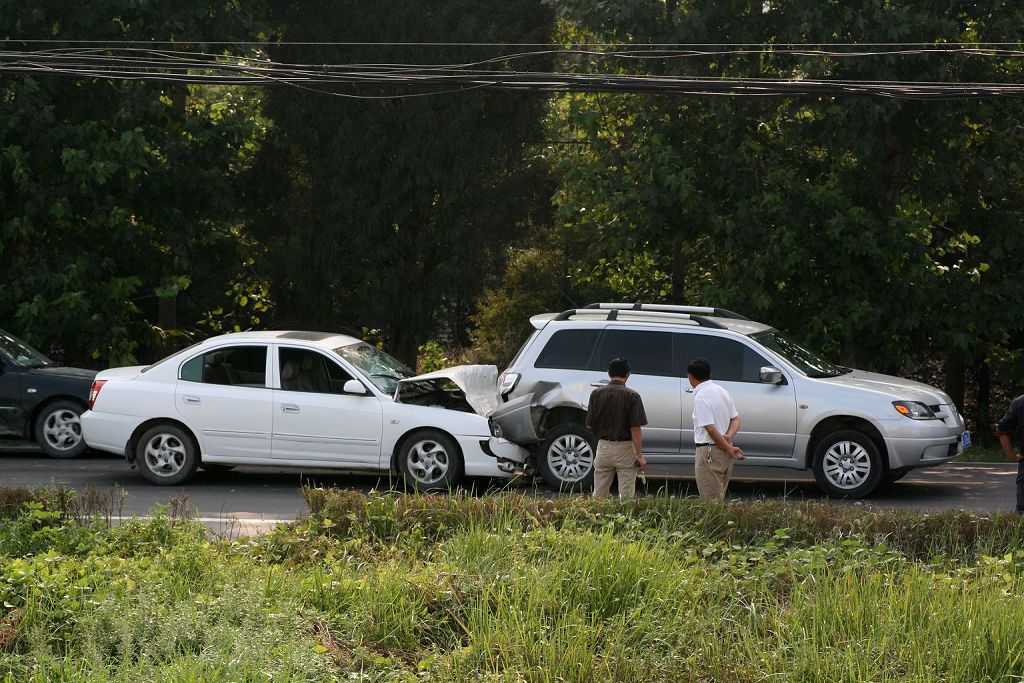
{"x":326,"y":340}
{"x":744,"y":327}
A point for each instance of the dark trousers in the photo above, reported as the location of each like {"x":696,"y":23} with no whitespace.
{"x":1020,"y":486}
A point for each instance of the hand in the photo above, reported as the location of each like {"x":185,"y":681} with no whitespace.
{"x":735,"y":453}
{"x":1018,"y":457}
{"x":641,"y":463}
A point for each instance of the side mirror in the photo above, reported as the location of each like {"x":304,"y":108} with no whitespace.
{"x":770,"y":375}
{"x":354,"y":386}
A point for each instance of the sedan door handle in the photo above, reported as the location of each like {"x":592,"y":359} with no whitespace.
{"x":600,"y":383}
{"x":289,"y":408}
{"x":191,"y":399}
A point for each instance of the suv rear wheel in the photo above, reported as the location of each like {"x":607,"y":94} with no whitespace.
{"x":565,"y":458}
{"x":847,"y":464}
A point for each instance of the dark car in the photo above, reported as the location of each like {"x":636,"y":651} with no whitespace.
{"x":40,"y":400}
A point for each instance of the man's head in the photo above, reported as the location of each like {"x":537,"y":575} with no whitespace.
{"x":618,"y":368}
{"x":699,"y":370}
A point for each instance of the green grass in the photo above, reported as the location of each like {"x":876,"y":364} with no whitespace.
{"x":391,"y":587}
{"x":983,"y":454}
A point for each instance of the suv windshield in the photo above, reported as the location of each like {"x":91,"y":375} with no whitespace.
{"x":802,"y":359}
{"x":379,"y":367}
{"x":21,"y":353}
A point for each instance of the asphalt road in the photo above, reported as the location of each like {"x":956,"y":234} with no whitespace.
{"x":251,"y":498}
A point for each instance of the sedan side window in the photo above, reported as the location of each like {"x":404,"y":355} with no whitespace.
{"x":237,"y":366}
{"x":730,"y":360}
{"x":648,"y":353}
{"x":305,"y":370}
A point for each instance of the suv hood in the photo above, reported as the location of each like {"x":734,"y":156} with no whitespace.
{"x":478,"y":382}
{"x":895,"y":388}
{"x":64,"y":373}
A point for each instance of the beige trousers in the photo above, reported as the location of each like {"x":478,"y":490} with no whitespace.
{"x":615,"y":457}
{"x":713,"y":477}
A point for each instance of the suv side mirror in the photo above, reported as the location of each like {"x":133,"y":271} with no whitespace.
{"x":770,"y":375}
{"x":354,"y":386}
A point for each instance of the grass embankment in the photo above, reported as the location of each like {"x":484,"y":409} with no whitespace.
{"x":511,"y":588}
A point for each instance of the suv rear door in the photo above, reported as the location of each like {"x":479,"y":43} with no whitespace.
{"x":767,"y":411}
{"x":654,"y":376}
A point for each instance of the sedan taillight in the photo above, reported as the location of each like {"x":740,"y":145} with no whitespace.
{"x":97,"y":384}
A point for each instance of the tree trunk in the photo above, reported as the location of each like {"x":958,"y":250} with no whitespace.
{"x":954,"y":371}
{"x":167,"y":317}
{"x":679,"y":265}
{"x":983,"y":406}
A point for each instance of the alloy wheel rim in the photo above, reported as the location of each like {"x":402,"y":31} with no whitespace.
{"x":570,"y":458}
{"x":62,"y":429}
{"x":847,"y":465}
{"x":165,"y":455}
{"x":428,"y":461}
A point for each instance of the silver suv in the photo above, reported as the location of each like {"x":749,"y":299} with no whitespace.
{"x":854,"y":429}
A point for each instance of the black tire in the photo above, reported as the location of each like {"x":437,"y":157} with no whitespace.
{"x":847,"y":464}
{"x":215,"y":467}
{"x":167,"y":455}
{"x":565,"y":459}
{"x":58,"y":429}
{"x":430,"y":460}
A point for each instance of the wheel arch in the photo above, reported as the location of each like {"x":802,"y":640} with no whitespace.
{"x":558,"y":415}
{"x":837,"y":423}
{"x":133,"y":440}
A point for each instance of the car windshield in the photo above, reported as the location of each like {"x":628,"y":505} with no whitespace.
{"x":381,"y":368}
{"x":21,"y":353}
{"x":803,"y":360}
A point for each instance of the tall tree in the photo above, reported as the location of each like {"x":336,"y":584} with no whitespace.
{"x":119,"y":207}
{"x":390,"y":212}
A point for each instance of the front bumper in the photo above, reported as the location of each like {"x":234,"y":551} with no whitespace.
{"x":904,"y":452}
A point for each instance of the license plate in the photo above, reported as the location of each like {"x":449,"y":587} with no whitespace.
{"x":965,"y":439}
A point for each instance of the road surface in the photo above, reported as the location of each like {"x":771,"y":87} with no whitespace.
{"x":251,"y":498}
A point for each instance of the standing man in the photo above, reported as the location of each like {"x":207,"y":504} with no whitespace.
{"x":715,"y":423}
{"x":1011,"y":436}
{"x":615,"y":415}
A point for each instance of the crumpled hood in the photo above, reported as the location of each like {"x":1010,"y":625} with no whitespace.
{"x":896,"y":388}
{"x":64,"y":372}
{"x":478,"y":382}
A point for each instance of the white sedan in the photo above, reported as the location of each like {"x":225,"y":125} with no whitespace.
{"x":295,"y":399}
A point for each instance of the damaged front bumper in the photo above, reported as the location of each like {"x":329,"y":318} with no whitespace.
{"x":511,"y":458}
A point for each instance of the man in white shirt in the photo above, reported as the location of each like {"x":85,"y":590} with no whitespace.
{"x":715,"y":423}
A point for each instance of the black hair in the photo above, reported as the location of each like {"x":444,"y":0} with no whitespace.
{"x":619,"y":367}
{"x":700,"y":368}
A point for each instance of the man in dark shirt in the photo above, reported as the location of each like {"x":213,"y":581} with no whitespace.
{"x":615,"y":415}
{"x":1011,"y":435}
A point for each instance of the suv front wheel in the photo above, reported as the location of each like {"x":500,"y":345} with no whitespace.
{"x":847,"y":464}
{"x":565,"y":458}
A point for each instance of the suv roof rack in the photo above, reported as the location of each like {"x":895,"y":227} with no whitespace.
{"x":616,"y":313}
{"x":670,"y":308}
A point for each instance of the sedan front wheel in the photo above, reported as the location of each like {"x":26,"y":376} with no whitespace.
{"x":431,"y":460}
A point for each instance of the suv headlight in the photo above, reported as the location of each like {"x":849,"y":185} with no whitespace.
{"x":507,"y":382}
{"x":915,"y":410}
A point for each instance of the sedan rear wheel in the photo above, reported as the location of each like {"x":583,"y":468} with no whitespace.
{"x":167,"y":455}
{"x":431,"y":460}
{"x":58,"y":430}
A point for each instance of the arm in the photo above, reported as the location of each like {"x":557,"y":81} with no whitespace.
{"x":723,"y":443}
{"x":734,"y":426}
{"x":638,"y":446}
{"x":1011,"y":453}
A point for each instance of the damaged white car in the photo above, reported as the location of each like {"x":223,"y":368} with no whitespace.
{"x":297,"y":399}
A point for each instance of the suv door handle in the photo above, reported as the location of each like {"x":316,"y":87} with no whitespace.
{"x":689,"y":391}
{"x":188,"y":398}
{"x":600,"y":383}
{"x":289,"y":408}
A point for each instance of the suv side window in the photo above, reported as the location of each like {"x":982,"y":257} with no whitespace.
{"x":238,"y":366}
{"x":730,"y":360}
{"x":306,"y":370}
{"x":568,"y":350}
{"x":648,"y":353}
